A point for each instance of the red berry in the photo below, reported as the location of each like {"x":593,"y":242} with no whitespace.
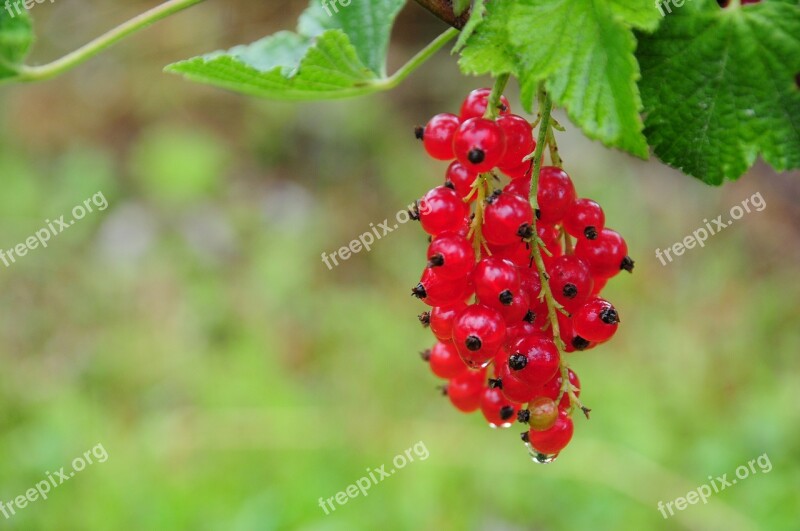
{"x":570,"y":281}
{"x":520,"y":173}
{"x":434,"y":290}
{"x":520,"y":186}
{"x":513,"y":389}
{"x":475,"y":104}
{"x":534,"y":360}
{"x":496,"y":282}
{"x":465,"y":390}
{"x":441,"y":320}
{"x":498,"y":410}
{"x":438,"y":136}
{"x":479,"y":144}
{"x":555,"y":439}
{"x":518,"y":253}
{"x":478,"y":333}
{"x":597,"y":320}
{"x":461,"y":179}
{"x":517,"y":332}
{"x":451,"y":256}
{"x":584,"y":219}
{"x":445,"y":361}
{"x":519,"y":140}
{"x":556,"y":194}
{"x":515,"y":312}
{"x":506,"y":219}
{"x":552,"y":389}
{"x":599,"y":284}
{"x":606,"y":255}
{"x":442,"y":210}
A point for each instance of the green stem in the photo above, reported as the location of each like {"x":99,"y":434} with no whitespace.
{"x":398,"y":77}
{"x":82,"y":54}
{"x":493,"y":105}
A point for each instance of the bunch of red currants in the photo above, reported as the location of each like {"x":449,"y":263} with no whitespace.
{"x":510,"y":291}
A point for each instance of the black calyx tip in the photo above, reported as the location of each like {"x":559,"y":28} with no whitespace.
{"x":591,"y":232}
{"x":524,"y":436}
{"x":436,"y":260}
{"x":517,"y":362}
{"x":506,"y":412}
{"x":494,"y":195}
{"x":418,"y":291}
{"x":413,"y":212}
{"x":449,"y":184}
{"x":442,"y":389}
{"x":524,"y":416}
{"x":538,"y":214}
{"x":609,"y":316}
{"x":627,"y":264}
{"x":476,"y":155}
{"x":530,"y":317}
{"x":473,"y":343}
{"x":495,"y":383}
{"x":419,"y":132}
{"x":502,"y":107}
{"x":570,"y":290}
{"x":506,"y":297}
{"x":425,"y":319}
{"x":579,"y":343}
{"x":425,"y":355}
{"x":541,"y":458}
{"x":525,"y":231}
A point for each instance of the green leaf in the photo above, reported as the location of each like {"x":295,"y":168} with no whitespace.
{"x":16,"y":37}
{"x":485,"y":43}
{"x":339,"y":50}
{"x":460,"y":6}
{"x":719,"y":88}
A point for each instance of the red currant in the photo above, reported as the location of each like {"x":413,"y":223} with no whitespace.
{"x":534,"y":360}
{"x":584,"y":219}
{"x":519,"y":140}
{"x":478,"y":333}
{"x":445,"y":361}
{"x":554,"y":439}
{"x":498,"y":410}
{"x":465,"y":390}
{"x":570,"y":281}
{"x":552,"y":389}
{"x":521,"y":172}
{"x":520,"y":186}
{"x":479,"y":144}
{"x":513,"y":389}
{"x":475,"y":104}
{"x":597,"y":320}
{"x":515,"y":312}
{"x":606,"y":255}
{"x":496,"y":282}
{"x":438,"y":136}
{"x":442,"y":210}
{"x":434,"y":290}
{"x":506,"y":219}
{"x":556,"y":194}
{"x":441,"y":320}
{"x":461,"y":179}
{"x":518,"y":253}
{"x":451,"y":256}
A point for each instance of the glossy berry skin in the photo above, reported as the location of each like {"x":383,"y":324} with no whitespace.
{"x":519,"y":140}
{"x":523,"y":171}
{"x":441,"y":320}
{"x":556,"y":194}
{"x":519,"y":186}
{"x":605,"y":254}
{"x":496,"y":282}
{"x":442,"y":210}
{"x":513,"y":389}
{"x":572,"y":341}
{"x":543,"y":413}
{"x":517,"y":332}
{"x":479,"y":144}
{"x":475,"y":104}
{"x":515,"y":312}
{"x":597,"y":320}
{"x":552,"y":389}
{"x":571,"y":281}
{"x":555,"y":439}
{"x":451,"y":256}
{"x":585,"y":219}
{"x":478,"y":333}
{"x":434,"y":290}
{"x":497,"y":409}
{"x":507,"y":218}
{"x":445,"y":361}
{"x":518,"y":253}
{"x":464,"y":391}
{"x":461,"y":178}
{"x":534,"y":360}
{"x":438,"y":136}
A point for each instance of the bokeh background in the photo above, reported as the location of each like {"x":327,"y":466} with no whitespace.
{"x":192,"y":329}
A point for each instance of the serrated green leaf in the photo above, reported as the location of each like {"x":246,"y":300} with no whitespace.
{"x":475,"y":18}
{"x":16,"y":37}
{"x":461,"y":6}
{"x":640,"y":14}
{"x":719,"y":88}
{"x":485,"y":43}
{"x":339,"y":50}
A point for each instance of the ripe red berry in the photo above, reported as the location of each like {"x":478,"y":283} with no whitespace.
{"x":496,"y":282}
{"x":475,"y":104}
{"x":442,"y":210}
{"x":479,"y":144}
{"x":464,"y":391}
{"x":498,"y":410}
{"x":515,"y":312}
{"x":451,"y":256}
{"x":478,"y":333}
{"x":445,"y":361}
{"x":519,"y":140}
{"x":606,"y":255}
{"x":434,"y":290}
{"x":441,"y":320}
{"x":543,"y":413}
{"x":513,"y":389}
{"x":570,"y":281}
{"x":438,"y":136}
{"x":506,"y":219}
{"x":520,"y":186}
{"x":556,"y":194}
{"x":584,"y":219}
{"x":597,"y":320}
{"x":521,"y":172}
{"x":461,"y":178}
{"x":534,"y":360}
{"x":554,"y":439}
{"x":552,"y":389}
{"x":518,"y":253}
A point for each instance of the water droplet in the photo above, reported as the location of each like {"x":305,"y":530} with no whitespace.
{"x":749,"y":112}
{"x":538,"y":457}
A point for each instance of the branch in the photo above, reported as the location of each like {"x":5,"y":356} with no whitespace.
{"x":443,"y":9}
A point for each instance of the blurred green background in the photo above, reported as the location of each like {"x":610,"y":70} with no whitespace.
{"x":192,"y":329}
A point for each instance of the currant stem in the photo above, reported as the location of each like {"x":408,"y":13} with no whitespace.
{"x":493,"y":105}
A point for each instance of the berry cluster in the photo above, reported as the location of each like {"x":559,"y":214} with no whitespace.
{"x":510,"y":291}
